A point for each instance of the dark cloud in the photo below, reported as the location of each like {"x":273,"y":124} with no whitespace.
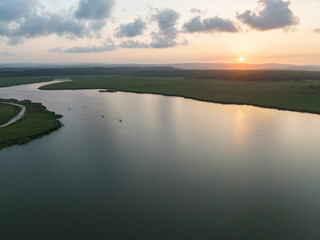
{"x":16,"y":9}
{"x":166,"y":18}
{"x":13,"y":41}
{"x":94,"y":9}
{"x":165,"y":39}
{"x":47,"y":24}
{"x":21,"y":20}
{"x":317,"y":30}
{"x":273,"y":14}
{"x":134,"y":44}
{"x":214,"y":24}
{"x":131,"y":29}
{"x":12,"y":14}
{"x":4,"y":28}
{"x":167,"y":36}
{"x":97,"y":25}
{"x":107,"y":47}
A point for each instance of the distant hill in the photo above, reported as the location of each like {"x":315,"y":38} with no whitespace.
{"x":163,"y":71}
{"x":245,"y":66}
{"x":185,"y":66}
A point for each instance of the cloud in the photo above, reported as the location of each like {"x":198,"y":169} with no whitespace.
{"x":8,"y":54}
{"x":38,"y":25}
{"x":16,"y":9}
{"x":165,"y":38}
{"x":94,"y":9}
{"x":13,"y":41}
{"x":168,"y":33}
{"x":214,"y":24}
{"x":4,"y":28}
{"x":317,"y":30}
{"x":97,"y":25}
{"x":21,"y":20}
{"x":106,"y":47}
{"x":131,"y":29}
{"x":166,"y":18}
{"x":196,"y":11}
{"x":134,"y":44}
{"x":273,"y":14}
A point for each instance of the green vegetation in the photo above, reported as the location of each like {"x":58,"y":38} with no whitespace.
{"x":8,"y":82}
{"x":280,"y":89}
{"x":247,"y":75}
{"x":38,"y":121}
{"x":285,"y":95}
{"x":7,"y":112}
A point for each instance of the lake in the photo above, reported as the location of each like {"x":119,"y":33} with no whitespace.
{"x":174,"y":168}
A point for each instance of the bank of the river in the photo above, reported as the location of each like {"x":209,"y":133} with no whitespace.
{"x":7,"y":112}
{"x":300,"y":96}
{"x":284,"y":90}
{"x":16,"y":81}
{"x":20,"y":114}
{"x":36,"y":122}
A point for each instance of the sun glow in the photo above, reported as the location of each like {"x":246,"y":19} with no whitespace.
{"x":241,"y":59}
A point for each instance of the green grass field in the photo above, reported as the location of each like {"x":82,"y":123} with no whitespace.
{"x":280,"y":89}
{"x":285,"y":95}
{"x":7,"y":112}
{"x":38,"y":121}
{"x":15,"y":81}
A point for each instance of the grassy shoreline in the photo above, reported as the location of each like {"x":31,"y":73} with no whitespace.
{"x":17,"y":81}
{"x":7,"y":112}
{"x":298,"y":96}
{"x":37,"y":122}
{"x":277,"y":89}
{"x":225,"y":103}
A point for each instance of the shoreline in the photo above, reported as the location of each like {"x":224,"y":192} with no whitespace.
{"x":19,"y":116}
{"x":51,"y":86}
{"x":36,"y":122}
{"x":209,"y":101}
{"x":43,"y":88}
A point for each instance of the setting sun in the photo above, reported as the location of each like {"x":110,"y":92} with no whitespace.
{"x":241,"y":59}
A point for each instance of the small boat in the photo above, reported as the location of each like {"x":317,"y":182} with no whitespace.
{"x":102,"y":116}
{"x":120,"y":120}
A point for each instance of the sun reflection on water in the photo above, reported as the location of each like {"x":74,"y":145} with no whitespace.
{"x":241,"y":127}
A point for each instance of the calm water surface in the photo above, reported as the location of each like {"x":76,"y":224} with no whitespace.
{"x":173,"y":169}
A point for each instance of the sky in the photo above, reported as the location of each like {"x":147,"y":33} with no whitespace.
{"x":154,"y":31}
